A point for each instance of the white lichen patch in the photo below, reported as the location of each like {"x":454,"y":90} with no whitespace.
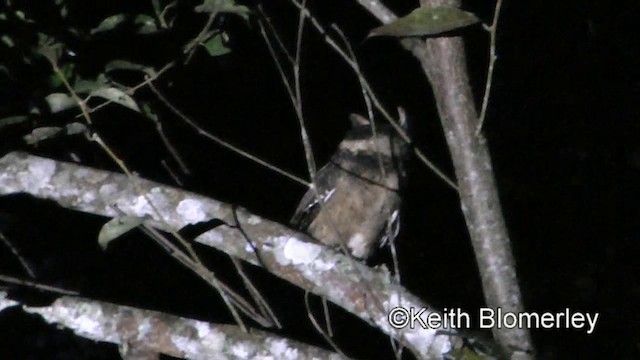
{"x":281,"y":350}
{"x":159,"y":198}
{"x":211,"y":338}
{"x":299,"y":252}
{"x":290,"y":250}
{"x":278,"y":243}
{"x":191,"y":211}
{"x":243,"y":350}
{"x":88,"y":197}
{"x":205,"y":339}
{"x":202,"y":328}
{"x":66,"y":186}
{"x":107,"y":191}
{"x":473,"y":176}
{"x":90,"y":176}
{"x":416,"y":335}
{"x":6,"y":303}
{"x":38,"y":175}
{"x":324,"y":266}
{"x":393,"y":301}
{"x":141,"y":207}
{"x":87,"y":324}
{"x":85,"y":319}
{"x":278,"y":347}
{"x":214,"y":238}
{"x":254,"y":220}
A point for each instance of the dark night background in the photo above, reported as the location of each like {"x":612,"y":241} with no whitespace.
{"x":563,"y":129}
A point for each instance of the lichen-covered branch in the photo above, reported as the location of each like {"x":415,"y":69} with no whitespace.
{"x":146,"y":333}
{"x":367,"y":293}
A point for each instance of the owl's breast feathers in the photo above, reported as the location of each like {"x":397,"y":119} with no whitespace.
{"x":357,"y":191}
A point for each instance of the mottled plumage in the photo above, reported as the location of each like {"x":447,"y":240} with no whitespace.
{"x":358,"y":189}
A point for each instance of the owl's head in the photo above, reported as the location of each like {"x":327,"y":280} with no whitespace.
{"x":364,"y":146}
{"x":367,"y":140}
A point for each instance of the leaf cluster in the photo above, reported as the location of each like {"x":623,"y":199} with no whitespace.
{"x":59,"y":58}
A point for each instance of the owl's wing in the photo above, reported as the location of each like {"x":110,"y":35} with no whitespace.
{"x":309,"y":206}
{"x":306,"y":211}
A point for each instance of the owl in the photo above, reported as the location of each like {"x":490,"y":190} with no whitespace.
{"x":357,"y":191}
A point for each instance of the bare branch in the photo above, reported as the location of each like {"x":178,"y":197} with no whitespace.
{"x":25,"y":265}
{"x":137,"y":330}
{"x":36,"y":285}
{"x":443,"y":61}
{"x":493,"y":29}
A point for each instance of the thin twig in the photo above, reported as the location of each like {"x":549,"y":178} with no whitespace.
{"x":255,"y":294}
{"x":368,"y":94}
{"x":203,"y":33}
{"x":15,"y":252}
{"x":275,"y":34}
{"x":35,"y":285}
{"x":230,"y":297}
{"x":220,"y":287}
{"x":167,"y":143}
{"x":153,"y":76}
{"x":366,"y":97}
{"x":296,"y":100}
{"x":221,"y":142}
{"x":308,"y":152}
{"x":493,"y":29}
{"x":172,"y":173}
{"x":319,"y":329}
{"x":421,"y":156}
{"x":274,"y":56}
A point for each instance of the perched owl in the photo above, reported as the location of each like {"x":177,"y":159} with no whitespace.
{"x":358,"y":190}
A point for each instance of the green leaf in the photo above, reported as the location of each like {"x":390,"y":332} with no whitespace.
{"x":42,"y":133}
{"x":59,"y":102}
{"x":7,"y":40}
{"x":240,"y":10}
{"x":209,"y":6}
{"x":215,"y":45}
{"x":145,"y":24}
{"x":109,"y":23}
{"x":12,"y":120}
{"x":223,"y":6}
{"x":85,"y":86}
{"x":148,"y":111}
{"x":64,"y":12}
{"x":56,"y":80}
{"x":49,"y":132}
{"x":22,"y":16}
{"x":75,"y":128}
{"x":116,"y":227}
{"x":117,"y":96}
{"x":49,"y":47}
{"x":427,"y":21}
{"x":82,"y":86}
{"x":127,"y":65}
{"x":163,"y":14}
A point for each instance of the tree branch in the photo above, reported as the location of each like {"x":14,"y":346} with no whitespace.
{"x":443,"y":61}
{"x":288,"y":254}
{"x":147,"y":333}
